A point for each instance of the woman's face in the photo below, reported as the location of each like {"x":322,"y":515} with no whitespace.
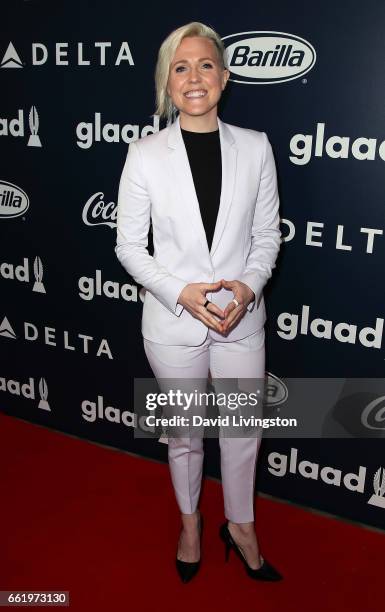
{"x":196,"y":79}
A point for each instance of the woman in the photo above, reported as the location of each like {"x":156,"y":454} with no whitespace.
{"x":210,"y":190}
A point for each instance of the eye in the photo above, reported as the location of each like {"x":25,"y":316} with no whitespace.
{"x":179,"y":68}
{"x":207,"y":65}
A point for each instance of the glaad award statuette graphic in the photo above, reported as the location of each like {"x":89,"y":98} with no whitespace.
{"x":378,"y":498}
{"x":164,"y":435}
{"x":34,"y":140}
{"x":38,"y":272}
{"x":43,"y":390}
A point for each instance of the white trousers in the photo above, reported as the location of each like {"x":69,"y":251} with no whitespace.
{"x":239,"y":359}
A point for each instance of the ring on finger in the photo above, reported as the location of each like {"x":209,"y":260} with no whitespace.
{"x":235,"y":301}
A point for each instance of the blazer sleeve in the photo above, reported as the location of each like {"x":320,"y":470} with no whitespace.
{"x":266,"y":234}
{"x":133,"y":222}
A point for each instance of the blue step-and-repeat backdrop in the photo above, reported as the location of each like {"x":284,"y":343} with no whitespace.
{"x":76,"y":88}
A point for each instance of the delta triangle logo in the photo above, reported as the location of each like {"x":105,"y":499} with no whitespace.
{"x":6,"y":329}
{"x":11,"y":58}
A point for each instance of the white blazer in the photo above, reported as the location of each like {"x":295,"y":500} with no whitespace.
{"x":157,"y":185}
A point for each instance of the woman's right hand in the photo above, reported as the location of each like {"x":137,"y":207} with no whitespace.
{"x":193,"y":298}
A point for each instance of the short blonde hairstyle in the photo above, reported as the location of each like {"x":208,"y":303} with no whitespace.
{"x":164,"y":105}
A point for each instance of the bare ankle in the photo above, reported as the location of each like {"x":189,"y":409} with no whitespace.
{"x":242,"y":528}
{"x":191,"y":521}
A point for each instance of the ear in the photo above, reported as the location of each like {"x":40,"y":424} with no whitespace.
{"x":226,"y":75}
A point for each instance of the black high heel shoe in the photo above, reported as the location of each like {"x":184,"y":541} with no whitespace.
{"x":265,"y":572}
{"x":187,"y":569}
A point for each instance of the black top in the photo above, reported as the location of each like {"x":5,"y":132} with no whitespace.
{"x":204,"y":154}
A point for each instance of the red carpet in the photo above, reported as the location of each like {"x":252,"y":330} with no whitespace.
{"x":104,"y":525}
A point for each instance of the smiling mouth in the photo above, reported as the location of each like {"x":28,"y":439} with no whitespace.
{"x":195,"y":93}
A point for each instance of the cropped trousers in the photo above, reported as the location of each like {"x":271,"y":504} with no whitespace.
{"x":240,"y":359}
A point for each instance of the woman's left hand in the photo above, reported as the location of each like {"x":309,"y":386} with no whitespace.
{"x":244,"y":295}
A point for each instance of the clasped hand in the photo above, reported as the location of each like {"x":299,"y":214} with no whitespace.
{"x":193,"y":298}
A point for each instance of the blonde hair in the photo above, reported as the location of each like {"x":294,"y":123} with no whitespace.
{"x":164,"y":105}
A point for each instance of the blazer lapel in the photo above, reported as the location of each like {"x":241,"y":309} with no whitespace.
{"x":229,"y":167}
{"x":184,"y":180}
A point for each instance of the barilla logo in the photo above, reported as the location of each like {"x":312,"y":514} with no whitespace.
{"x":267,"y":57}
{"x":13,"y":200}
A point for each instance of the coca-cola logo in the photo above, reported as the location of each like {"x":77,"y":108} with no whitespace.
{"x":98,"y":212}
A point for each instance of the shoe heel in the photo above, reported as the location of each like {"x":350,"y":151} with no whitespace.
{"x":227,"y":550}
{"x":187,"y":569}
{"x":265,"y":572}
{"x":225,"y":540}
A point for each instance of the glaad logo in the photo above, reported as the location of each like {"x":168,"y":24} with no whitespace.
{"x":21,"y":273}
{"x":267,"y":57}
{"x":43,"y":390}
{"x":31,"y":333}
{"x":97,"y":212}
{"x":92,"y":411}
{"x":90,"y":287}
{"x":335,"y":147}
{"x":38,"y":272}
{"x":370,"y":337}
{"x":34,"y":140}
{"x":27,"y":390}
{"x":378,"y":498}
{"x":14,"y":202}
{"x":279,"y":465}
{"x":15,"y":127}
{"x":89,"y":133}
{"x":78,"y":55}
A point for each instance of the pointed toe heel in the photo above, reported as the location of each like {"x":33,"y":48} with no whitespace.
{"x":266,"y":572}
{"x":187,"y":569}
